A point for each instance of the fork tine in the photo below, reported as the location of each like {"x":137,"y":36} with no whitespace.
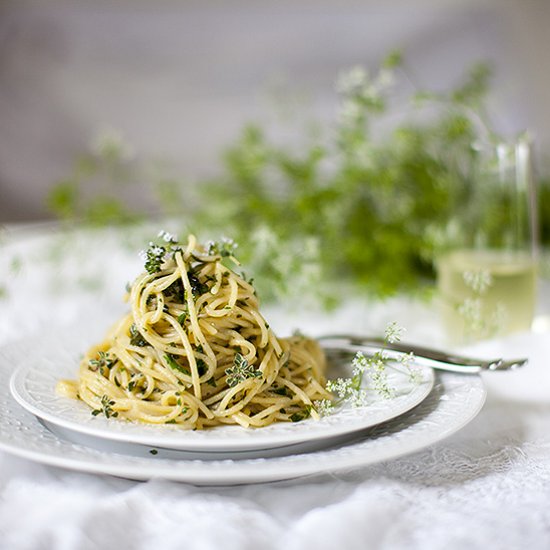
{"x":510,"y":364}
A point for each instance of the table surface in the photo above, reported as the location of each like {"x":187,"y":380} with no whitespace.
{"x":488,"y":486}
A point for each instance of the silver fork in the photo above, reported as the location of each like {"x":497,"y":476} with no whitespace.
{"x":437,"y":359}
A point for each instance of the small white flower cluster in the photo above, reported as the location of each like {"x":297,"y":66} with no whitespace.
{"x":229,"y":242}
{"x":479,"y":281}
{"x":415,"y":374}
{"x":479,"y":323}
{"x":109,"y":143}
{"x":324,"y":407}
{"x":393,"y":332}
{"x":342,"y":387}
{"x":225,"y":247}
{"x":359,"y":364}
{"x":347,"y":390}
{"x":374,"y":369}
{"x":167,"y":237}
{"x":359,"y":89}
{"x":470,"y":311}
{"x":379,"y":379}
{"x":154,"y":250}
{"x":352,"y":81}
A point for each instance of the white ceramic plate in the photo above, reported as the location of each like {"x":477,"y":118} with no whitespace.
{"x":454,"y":401}
{"x":57,"y":355}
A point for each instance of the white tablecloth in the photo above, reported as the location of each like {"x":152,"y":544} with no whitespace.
{"x":487,"y":486}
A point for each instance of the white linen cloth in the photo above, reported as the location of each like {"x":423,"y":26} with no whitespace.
{"x":487,"y":486}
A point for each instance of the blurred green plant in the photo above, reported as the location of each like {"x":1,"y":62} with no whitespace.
{"x":351,"y":206}
{"x":87,"y":193}
{"x":373,"y":209}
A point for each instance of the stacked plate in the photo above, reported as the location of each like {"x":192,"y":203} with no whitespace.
{"x":38,"y":424}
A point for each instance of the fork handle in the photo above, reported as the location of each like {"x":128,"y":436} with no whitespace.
{"x":430,"y":357}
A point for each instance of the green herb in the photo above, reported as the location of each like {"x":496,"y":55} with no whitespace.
{"x":282,"y":391}
{"x":302,"y":415}
{"x":173,"y":364}
{"x":176,"y":291}
{"x":197,"y":287}
{"x":136,"y":338}
{"x":106,"y":408}
{"x":109,"y":163}
{"x":182,"y":318}
{"x":201,"y":367}
{"x":241,"y":371}
{"x":154,"y":452}
{"x":224,"y":248}
{"x":154,"y":257}
{"x":104,"y":362}
{"x":249,"y":280}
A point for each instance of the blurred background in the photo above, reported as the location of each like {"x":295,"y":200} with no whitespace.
{"x":176,"y":81}
{"x":342,"y":144}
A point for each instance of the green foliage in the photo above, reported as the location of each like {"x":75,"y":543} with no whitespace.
{"x":108,"y":167}
{"x":373,"y":210}
{"x":240,"y":371}
{"x":349,"y":205}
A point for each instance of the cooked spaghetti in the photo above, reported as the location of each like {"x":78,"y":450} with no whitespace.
{"x":195,"y":350}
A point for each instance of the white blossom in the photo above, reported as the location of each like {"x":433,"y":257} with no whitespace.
{"x":394,"y":332}
{"x":324,"y":407}
{"x":167,"y":237}
{"x":479,"y":281}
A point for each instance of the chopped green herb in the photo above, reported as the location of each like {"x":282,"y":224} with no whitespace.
{"x":176,"y":291}
{"x":241,"y":371}
{"x":154,"y":257}
{"x":182,"y":318}
{"x":224,"y":248}
{"x":102,"y":363}
{"x":136,"y":338}
{"x":201,"y":367}
{"x":106,"y":408}
{"x":302,"y":415}
{"x":197,"y":287}
{"x":282,"y":391}
{"x":173,"y":364}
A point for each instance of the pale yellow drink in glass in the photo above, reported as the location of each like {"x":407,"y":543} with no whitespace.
{"x":486,"y":293}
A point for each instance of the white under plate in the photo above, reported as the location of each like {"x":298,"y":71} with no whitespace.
{"x":57,"y":356}
{"x":454,"y":401}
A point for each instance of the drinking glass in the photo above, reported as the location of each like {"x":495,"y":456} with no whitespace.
{"x":487,"y":275}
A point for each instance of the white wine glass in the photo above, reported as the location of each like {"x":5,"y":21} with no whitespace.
{"x":487,"y":274}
